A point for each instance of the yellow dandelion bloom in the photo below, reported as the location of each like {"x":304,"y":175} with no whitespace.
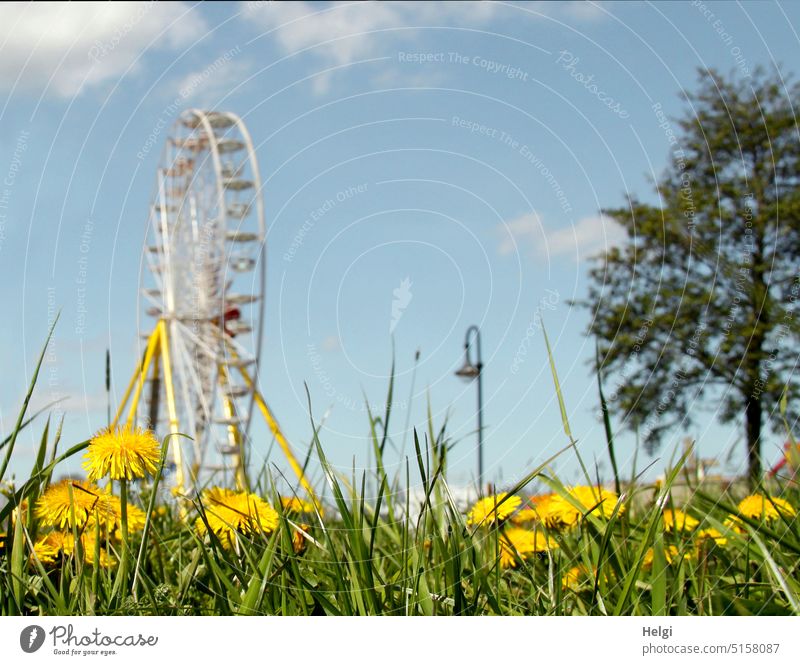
{"x":493,"y":509}
{"x":712,"y":534}
{"x":555,"y":511}
{"x":525,"y":516}
{"x":49,"y":547}
{"x":294,"y":504}
{"x":122,"y":453}
{"x":559,"y":511}
{"x":106,"y":559}
{"x":299,"y":541}
{"x":758,"y":507}
{"x":572,"y":578}
{"x":516,"y":542}
{"x":20,"y":510}
{"x":735,"y":524}
{"x":536,"y":510}
{"x":54,"y":508}
{"x":671,"y":554}
{"x":578,"y":575}
{"x":232,"y":513}
{"x":159,"y":511}
{"x":677,"y":520}
{"x":597,"y":499}
{"x":112,"y":517}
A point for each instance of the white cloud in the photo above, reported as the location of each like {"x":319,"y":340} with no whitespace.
{"x":67,"y":48}
{"x":342,"y":33}
{"x":584,"y":11}
{"x":587,"y":237}
{"x":520,"y":233}
{"x":207,"y":87}
{"x":337,"y":34}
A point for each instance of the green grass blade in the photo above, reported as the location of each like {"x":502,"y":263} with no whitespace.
{"x":26,"y":401}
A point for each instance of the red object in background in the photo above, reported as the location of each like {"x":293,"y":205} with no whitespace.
{"x":786,"y":447}
{"x":231,"y":314}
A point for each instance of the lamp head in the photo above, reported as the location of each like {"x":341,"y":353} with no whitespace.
{"x":468,"y":370}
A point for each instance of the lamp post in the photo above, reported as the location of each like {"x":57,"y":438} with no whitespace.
{"x":470,"y":371}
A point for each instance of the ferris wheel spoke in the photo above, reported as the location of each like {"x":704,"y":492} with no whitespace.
{"x":184,"y":372}
{"x":165,"y":269}
{"x":213,"y":362}
{"x":202,"y":344}
{"x":240,"y":355}
{"x":201,"y":398}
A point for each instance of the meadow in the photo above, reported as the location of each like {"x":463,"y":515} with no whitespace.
{"x":120,"y":542}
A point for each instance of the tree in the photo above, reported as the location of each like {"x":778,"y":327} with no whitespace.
{"x":701,"y":299}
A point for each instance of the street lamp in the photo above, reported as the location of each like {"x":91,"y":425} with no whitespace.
{"x":470,"y":371}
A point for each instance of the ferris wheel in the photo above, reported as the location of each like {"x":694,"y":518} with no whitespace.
{"x":202,"y":287}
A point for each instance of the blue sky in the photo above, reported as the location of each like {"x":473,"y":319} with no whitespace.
{"x":466,"y":150}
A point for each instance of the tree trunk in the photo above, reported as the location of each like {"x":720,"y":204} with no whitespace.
{"x":753,"y":426}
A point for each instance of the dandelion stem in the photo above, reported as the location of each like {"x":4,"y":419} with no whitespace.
{"x":123,"y":495}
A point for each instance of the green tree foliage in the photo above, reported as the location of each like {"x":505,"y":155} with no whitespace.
{"x":701,"y":300}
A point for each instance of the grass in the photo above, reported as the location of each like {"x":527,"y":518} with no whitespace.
{"x":371,"y":552}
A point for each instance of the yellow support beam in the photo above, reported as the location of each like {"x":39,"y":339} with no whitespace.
{"x":158,"y":352}
{"x":280,"y":438}
{"x":234,"y":435}
{"x":172,"y":410}
{"x":152,"y":346}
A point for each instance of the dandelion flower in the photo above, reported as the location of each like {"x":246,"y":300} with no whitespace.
{"x":88,"y":542}
{"x":122,"y":453}
{"x":671,"y":554}
{"x":561,"y":512}
{"x":525,"y":515}
{"x":677,"y":520}
{"x":572,"y":578}
{"x":596,"y":499}
{"x":49,"y":547}
{"x":757,"y":506}
{"x":230,"y":514}
{"x":20,"y":511}
{"x":537,"y":510}
{"x":735,"y":524}
{"x":54,"y":507}
{"x":493,"y":509}
{"x":712,"y":534}
{"x":112,"y":518}
{"x":106,"y":560}
{"x":577,"y":575}
{"x":519,"y":543}
{"x":299,"y":541}
{"x":555,"y":511}
{"x":294,"y":504}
